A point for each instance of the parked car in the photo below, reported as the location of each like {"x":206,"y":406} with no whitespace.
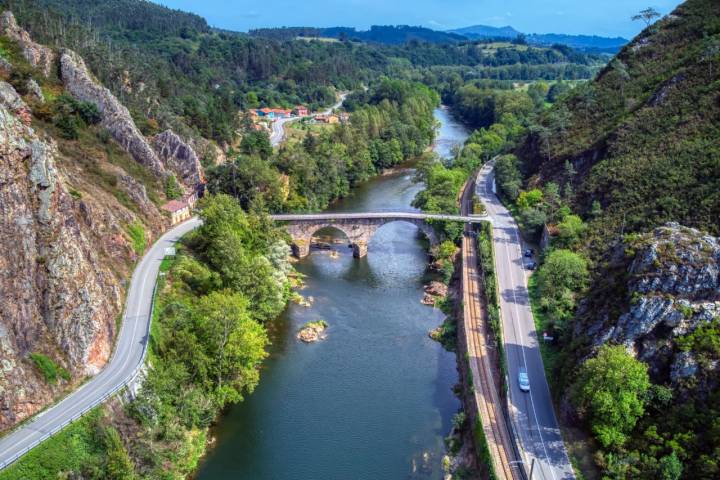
{"x":528,"y":253}
{"x":531,"y":265}
{"x":523,"y":380}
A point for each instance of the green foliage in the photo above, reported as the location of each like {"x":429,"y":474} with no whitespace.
{"x":256,"y":143}
{"x":172,"y":188}
{"x":243,"y":249}
{"x":483,"y":451}
{"x":49,"y":369}
{"x":118,"y":464}
{"x":560,"y":278}
{"x":320,"y":324}
{"x":71,"y":115}
{"x":391,"y":123}
{"x":136,"y":230}
{"x":704,"y":341}
{"x":611,"y":389}
{"x":671,"y":467}
{"x":530,"y":199}
{"x":76,"y":448}
{"x":569,"y":230}
{"x":207,"y":339}
{"x":508,"y":176}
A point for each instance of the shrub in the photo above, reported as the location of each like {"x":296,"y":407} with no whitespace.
{"x":137,"y":235}
{"x":48,"y":368}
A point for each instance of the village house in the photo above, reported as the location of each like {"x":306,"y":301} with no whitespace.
{"x":344,"y":117}
{"x":281,"y":113}
{"x":179,"y":210}
{"x":301,"y":111}
{"x":266,"y":112}
{"x":327,"y":118}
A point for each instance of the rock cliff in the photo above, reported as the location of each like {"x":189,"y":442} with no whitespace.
{"x":63,"y":258}
{"x":179,"y":157}
{"x":115,"y":117}
{"x":673,"y":285}
{"x":39,"y":56}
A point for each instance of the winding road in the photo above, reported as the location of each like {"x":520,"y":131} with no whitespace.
{"x":532,"y":413}
{"x":125,"y":363}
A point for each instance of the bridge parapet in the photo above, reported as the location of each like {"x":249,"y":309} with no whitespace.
{"x":358,"y":227}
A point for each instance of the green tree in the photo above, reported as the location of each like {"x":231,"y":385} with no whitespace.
{"x":670,"y":467}
{"x":611,"y":390}
{"x":232,"y":341}
{"x":560,"y":278}
{"x":530,"y":198}
{"x":118,"y":465}
{"x":647,"y":15}
{"x":172,"y":189}
{"x":570,"y":229}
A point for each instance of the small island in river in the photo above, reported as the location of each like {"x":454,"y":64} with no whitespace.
{"x":313,"y":331}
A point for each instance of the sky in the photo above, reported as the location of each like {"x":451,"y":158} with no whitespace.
{"x":608,"y":18}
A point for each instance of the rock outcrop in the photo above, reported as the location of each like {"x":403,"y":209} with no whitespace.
{"x":57,"y":296}
{"x":179,"y":157}
{"x":34,"y":91}
{"x":11,"y":100}
{"x":115,"y":117}
{"x":39,"y":56}
{"x":674,"y":288}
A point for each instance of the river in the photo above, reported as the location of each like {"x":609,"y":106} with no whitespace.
{"x":374,"y":400}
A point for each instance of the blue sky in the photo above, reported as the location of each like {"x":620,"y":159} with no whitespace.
{"x":604,"y":17}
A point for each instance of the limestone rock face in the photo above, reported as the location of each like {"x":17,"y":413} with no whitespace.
{"x":179,"y":157}
{"x":11,"y":100}
{"x":37,"y":55}
{"x":34,"y":91}
{"x":674,"y":288}
{"x":115,"y":117}
{"x":57,"y":296}
{"x":137,"y":193}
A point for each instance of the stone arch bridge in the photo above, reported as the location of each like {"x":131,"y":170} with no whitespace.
{"x":359,"y":227}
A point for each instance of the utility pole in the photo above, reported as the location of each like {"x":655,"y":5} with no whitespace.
{"x":532,"y":468}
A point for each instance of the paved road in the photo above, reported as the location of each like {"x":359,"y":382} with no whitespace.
{"x":532,"y":412}
{"x":278,"y":126}
{"x":389,"y":215}
{"x":126,"y":360}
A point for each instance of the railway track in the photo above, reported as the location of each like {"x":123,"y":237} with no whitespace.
{"x":487,"y":398}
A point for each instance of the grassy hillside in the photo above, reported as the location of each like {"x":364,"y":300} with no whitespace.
{"x":643,"y":139}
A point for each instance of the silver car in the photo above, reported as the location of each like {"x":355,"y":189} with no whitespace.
{"x":523,"y":380}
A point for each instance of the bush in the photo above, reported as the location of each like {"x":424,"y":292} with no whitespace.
{"x":49,"y":369}
{"x":611,"y":391}
{"x":137,"y":236}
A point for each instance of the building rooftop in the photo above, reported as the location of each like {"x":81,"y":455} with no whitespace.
{"x":174,"y":205}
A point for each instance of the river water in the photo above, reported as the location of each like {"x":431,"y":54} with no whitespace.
{"x":373,"y":400}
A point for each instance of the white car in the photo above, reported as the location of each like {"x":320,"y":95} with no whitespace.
{"x":523,"y":380}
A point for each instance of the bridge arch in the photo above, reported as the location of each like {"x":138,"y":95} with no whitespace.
{"x":358,"y":231}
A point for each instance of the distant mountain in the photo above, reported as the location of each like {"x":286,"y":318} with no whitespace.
{"x":581,"y":42}
{"x":387,"y":34}
{"x":485,"y":31}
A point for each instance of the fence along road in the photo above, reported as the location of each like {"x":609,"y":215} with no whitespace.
{"x":123,"y":367}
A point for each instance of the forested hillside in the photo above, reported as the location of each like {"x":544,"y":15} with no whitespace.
{"x":625,"y":170}
{"x":171,"y":69}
